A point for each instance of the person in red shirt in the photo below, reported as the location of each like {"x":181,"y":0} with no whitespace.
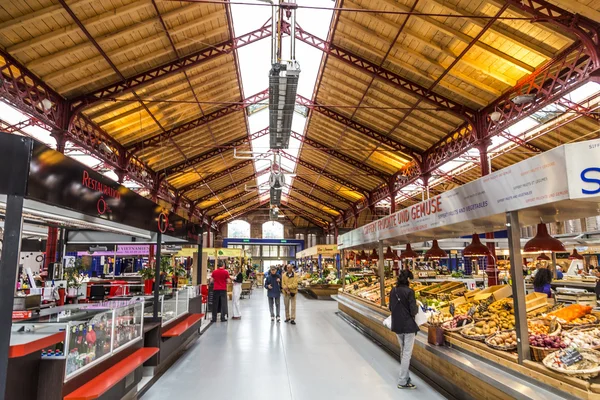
{"x":220,"y":278}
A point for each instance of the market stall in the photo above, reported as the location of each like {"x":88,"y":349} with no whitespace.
{"x":325,"y":281}
{"x":67,"y":349}
{"x":504,"y":321}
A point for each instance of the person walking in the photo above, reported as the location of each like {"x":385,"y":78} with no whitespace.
{"x":238,"y":278}
{"x":220,"y":278}
{"x":290,"y":289}
{"x":273,"y":284}
{"x":403,"y":306}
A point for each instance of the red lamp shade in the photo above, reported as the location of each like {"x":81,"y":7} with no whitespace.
{"x":435,"y":251}
{"x":543,"y":242}
{"x":390,"y":255}
{"x":351,"y":255}
{"x":476,"y":248}
{"x":575,"y":255}
{"x":408,"y":253}
{"x":374,"y":255}
{"x":543,"y":257}
{"x":363,"y":256}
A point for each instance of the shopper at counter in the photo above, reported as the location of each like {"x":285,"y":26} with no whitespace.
{"x":220,"y":278}
{"x":559,"y":273}
{"x":542,"y":280}
{"x":273,"y":284}
{"x":238,"y":279}
{"x":290,"y":289}
{"x":403,"y":306}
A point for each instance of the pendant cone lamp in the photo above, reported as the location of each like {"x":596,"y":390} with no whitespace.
{"x":543,"y":257}
{"x":408,"y":253}
{"x":435,"y":251}
{"x":374,"y":255}
{"x":575,"y":255}
{"x":351,"y":255}
{"x":390,"y":255}
{"x":362,"y":256}
{"x":543,"y":242}
{"x":476,"y":248}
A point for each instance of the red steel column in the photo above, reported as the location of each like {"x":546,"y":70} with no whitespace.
{"x":52,"y":240}
{"x":491,"y":270}
{"x":392,"y":195}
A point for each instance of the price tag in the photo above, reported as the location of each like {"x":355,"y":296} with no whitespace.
{"x":21,"y":314}
{"x":570,"y":357}
{"x":472,"y":311}
{"x":452,"y":309}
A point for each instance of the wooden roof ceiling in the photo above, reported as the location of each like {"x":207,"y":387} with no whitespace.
{"x":177,"y":122}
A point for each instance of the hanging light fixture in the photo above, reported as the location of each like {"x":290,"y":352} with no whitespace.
{"x":363,"y":256}
{"x":543,"y":257}
{"x":374,"y":255}
{"x":351,"y":255}
{"x":390,"y":255}
{"x":543,"y":242}
{"x":476,"y":248}
{"x":575,"y":255}
{"x":408,"y":253}
{"x":435,"y":251}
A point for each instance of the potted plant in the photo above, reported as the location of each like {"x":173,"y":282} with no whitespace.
{"x":147,"y":274}
{"x":73,"y":276}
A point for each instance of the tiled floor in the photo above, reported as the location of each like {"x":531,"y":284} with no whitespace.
{"x":320,"y":358}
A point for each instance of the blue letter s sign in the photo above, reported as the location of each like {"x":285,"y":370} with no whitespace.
{"x":586,"y":176}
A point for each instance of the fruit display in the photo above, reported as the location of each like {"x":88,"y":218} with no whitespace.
{"x":463,"y":308}
{"x":543,"y":327}
{"x":547,"y":342}
{"x":589,"y":319}
{"x":459,"y":321}
{"x":481,"y":329}
{"x":503,"y":340}
{"x":572,"y":313}
{"x":582,"y":338}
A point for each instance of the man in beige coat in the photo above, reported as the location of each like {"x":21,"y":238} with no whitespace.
{"x":290,"y":290}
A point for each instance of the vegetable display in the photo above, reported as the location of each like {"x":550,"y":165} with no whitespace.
{"x":547,"y":342}
{"x":585,"y":338}
{"x":572,"y":312}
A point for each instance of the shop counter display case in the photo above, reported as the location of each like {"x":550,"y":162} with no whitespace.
{"x":173,"y":304}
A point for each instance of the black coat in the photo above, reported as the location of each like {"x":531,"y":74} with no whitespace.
{"x":403,"y":306}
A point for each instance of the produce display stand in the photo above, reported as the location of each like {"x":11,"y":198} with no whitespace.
{"x":321,"y":291}
{"x":547,"y":187}
{"x":37,"y":187}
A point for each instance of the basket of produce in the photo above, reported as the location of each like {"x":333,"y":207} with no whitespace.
{"x":457,"y":323}
{"x":504,"y":341}
{"x":480,"y":330}
{"x":584,"y":338}
{"x":544,"y":326}
{"x":542,"y":345}
{"x":575,"y":316}
{"x":587,"y":321}
{"x":580,"y":363}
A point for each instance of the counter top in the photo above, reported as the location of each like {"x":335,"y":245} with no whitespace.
{"x":22,"y":344}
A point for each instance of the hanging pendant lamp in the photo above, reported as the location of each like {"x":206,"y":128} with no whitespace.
{"x":408,"y":253}
{"x":390,"y":255}
{"x":363,"y":256}
{"x":374,"y":255}
{"x":543,"y":257}
{"x":575,"y":255}
{"x":435,"y":251}
{"x":476,"y":248}
{"x":543,"y":242}
{"x":351,"y":255}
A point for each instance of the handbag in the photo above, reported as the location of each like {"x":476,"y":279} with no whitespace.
{"x":388,"y":322}
{"x":421,"y":317}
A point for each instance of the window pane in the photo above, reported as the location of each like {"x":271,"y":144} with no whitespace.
{"x":238,"y":229}
{"x":272,"y":230}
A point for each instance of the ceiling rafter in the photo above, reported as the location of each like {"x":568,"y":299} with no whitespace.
{"x":309,"y":206}
{"x":310,"y":217}
{"x":243,"y":212}
{"x":236,"y":206}
{"x":314,"y":198}
{"x":217,"y":175}
{"x":228,"y":200}
{"x":329,"y":193}
{"x":229,"y":187}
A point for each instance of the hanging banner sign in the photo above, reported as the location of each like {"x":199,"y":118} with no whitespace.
{"x":567,"y":172}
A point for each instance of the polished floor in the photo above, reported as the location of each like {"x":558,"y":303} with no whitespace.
{"x":322,"y":357}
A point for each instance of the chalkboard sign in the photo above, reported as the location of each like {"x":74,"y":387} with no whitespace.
{"x":571,"y":356}
{"x":211,"y":298}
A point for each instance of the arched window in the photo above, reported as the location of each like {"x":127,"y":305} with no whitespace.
{"x":272,"y":230}
{"x":238,"y":229}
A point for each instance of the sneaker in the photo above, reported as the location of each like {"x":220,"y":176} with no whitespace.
{"x":213,"y":320}
{"x":293,"y":322}
{"x":278,"y":319}
{"x":407,"y":386}
{"x":287,"y":320}
{"x":272,"y":319}
{"x":236,"y":318}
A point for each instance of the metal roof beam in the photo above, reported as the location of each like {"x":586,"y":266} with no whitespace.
{"x":243,"y":212}
{"x":227,"y":200}
{"x":310,"y":207}
{"x":231,"y":186}
{"x":329,"y":193}
{"x":198,"y":184}
{"x":237,"y":205}
{"x":315,"y":199}
{"x":310,"y":217}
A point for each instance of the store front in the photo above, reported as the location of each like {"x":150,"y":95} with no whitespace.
{"x":267,"y":252}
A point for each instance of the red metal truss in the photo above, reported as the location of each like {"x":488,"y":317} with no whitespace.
{"x":578,"y":108}
{"x":227,"y":200}
{"x":315,"y":199}
{"x":215,"y":176}
{"x":329,"y":193}
{"x":521,"y":142}
{"x":393,"y":79}
{"x":304,"y":204}
{"x":205,"y":119}
{"x":237,"y":205}
{"x":358,"y":127}
{"x":340,"y":156}
{"x":306,"y":215}
{"x":169,"y":69}
{"x":231,"y":186}
{"x":243,"y":212}
{"x":191,"y":161}
{"x":332,"y":177}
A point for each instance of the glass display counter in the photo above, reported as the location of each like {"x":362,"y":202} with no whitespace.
{"x":92,"y":333}
{"x":174,"y":304}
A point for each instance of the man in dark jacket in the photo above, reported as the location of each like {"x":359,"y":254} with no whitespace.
{"x":273,"y":284}
{"x":403,"y":306}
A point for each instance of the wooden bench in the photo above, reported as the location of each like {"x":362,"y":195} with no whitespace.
{"x":182,"y":326}
{"x":109,"y":378}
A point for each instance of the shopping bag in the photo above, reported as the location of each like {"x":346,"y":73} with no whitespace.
{"x":421,"y":316}
{"x":388,"y":322}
